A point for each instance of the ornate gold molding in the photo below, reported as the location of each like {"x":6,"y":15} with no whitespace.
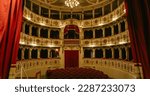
{"x":101,"y":21}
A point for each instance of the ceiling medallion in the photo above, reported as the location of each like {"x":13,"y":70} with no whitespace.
{"x":72,"y":3}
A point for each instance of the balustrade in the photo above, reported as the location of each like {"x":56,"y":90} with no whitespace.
{"x":126,"y":67}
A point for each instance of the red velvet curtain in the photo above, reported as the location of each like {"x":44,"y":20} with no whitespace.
{"x":10,"y":27}
{"x":71,"y":58}
{"x":138,"y":17}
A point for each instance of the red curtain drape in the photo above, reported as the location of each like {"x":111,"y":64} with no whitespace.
{"x":71,"y":58}
{"x":10,"y":27}
{"x":138,"y":17}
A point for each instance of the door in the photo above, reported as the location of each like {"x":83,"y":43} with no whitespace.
{"x":71,"y":58}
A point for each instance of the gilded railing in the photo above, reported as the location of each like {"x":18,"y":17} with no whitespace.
{"x":121,"y":38}
{"x":37,"y":41}
{"x":100,"y":21}
{"x":129,"y":68}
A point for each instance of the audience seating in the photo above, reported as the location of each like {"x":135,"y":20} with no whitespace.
{"x":75,"y":73}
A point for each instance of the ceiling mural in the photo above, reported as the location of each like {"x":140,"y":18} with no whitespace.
{"x":60,"y":3}
{"x":93,"y":1}
{"x":50,"y":1}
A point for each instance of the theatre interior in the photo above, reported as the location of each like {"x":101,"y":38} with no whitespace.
{"x":74,"y":39}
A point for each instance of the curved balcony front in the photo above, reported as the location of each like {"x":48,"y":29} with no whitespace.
{"x":100,"y":21}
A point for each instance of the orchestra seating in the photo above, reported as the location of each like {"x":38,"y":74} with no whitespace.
{"x":75,"y":73}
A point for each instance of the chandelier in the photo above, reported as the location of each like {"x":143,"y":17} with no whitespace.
{"x":72,"y":3}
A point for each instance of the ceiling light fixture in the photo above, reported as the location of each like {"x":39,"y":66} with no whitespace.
{"x":72,"y":3}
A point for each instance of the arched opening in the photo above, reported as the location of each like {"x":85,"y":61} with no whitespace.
{"x":34,"y":31}
{"x":98,"y":33}
{"x":123,"y":53}
{"x":54,"y":34}
{"x":54,"y":53}
{"x":27,"y":29}
{"x":26,"y":54}
{"x":122,"y":26}
{"x":87,"y":53}
{"x":71,"y":32}
{"x":108,"y":53}
{"x":88,"y":34}
{"x":44,"y":53}
{"x":98,"y":53}
{"x":44,"y":33}
{"x":34,"y":54}
{"x":116,"y":31}
{"x":130,"y":54}
{"x":108,"y":32}
{"x":19,"y":54}
{"x":116,"y":53}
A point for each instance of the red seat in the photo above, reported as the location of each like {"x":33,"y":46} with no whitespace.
{"x":76,"y":73}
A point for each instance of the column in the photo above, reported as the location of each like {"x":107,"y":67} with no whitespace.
{"x":102,"y":10}
{"x":104,"y":53}
{"x":60,"y":15}
{"x":119,"y":28}
{"x":93,"y":53}
{"x":112,"y":30}
{"x":103,"y":32}
{"x":30,"y":30}
{"x":59,"y":52}
{"x":117,"y":2}
{"x":25,"y":2}
{"x":31,"y":6}
{"x":111,"y":7}
{"x":127,"y":53}
{"x":49,"y":55}
{"x":39,"y":10}
{"x":82,"y":52}
{"x":113,"y":55}
{"x":23,"y":27}
{"x":93,"y":33}
{"x":120,"y":53}
{"x":39,"y":31}
{"x":22,"y":54}
{"x":30,"y":55}
{"x":59,"y":33}
{"x":93,"y":13}
{"x":126,"y":25}
{"x":81,"y":33}
{"x":38,"y":53}
{"x":49,"y":14}
{"x":82,"y":15}
{"x":71,"y":14}
{"x":49,"y":32}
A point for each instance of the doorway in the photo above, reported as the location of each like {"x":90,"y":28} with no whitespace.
{"x":71,"y":58}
